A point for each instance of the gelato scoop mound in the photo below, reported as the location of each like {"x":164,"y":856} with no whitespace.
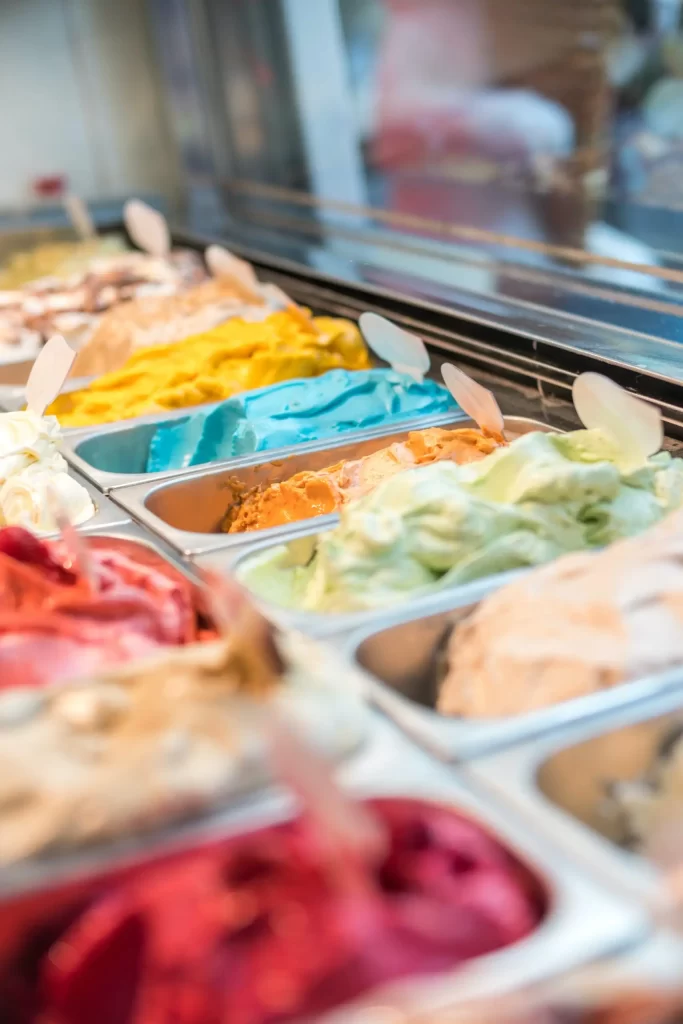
{"x":586,"y":623}
{"x":308,"y":494}
{"x":235,"y":356}
{"x":254,"y":931}
{"x":541,"y":496}
{"x":52,"y":626}
{"x":295,"y":412}
{"x":31,"y":467}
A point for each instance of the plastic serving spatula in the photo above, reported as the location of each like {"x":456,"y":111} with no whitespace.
{"x":79,"y":215}
{"x":147,"y":228}
{"x":222,"y":263}
{"x":405,"y":352}
{"x":635,"y":425}
{"x":48,"y":374}
{"x":478,"y":402}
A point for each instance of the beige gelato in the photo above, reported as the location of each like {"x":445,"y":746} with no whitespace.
{"x":150,"y":743}
{"x":585,"y":623}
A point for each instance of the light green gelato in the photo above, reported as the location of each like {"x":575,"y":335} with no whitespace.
{"x":430,"y":527}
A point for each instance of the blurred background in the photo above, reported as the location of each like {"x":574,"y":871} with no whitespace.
{"x":512,"y":147}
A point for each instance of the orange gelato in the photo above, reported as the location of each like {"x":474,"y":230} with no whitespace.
{"x":309,"y":494}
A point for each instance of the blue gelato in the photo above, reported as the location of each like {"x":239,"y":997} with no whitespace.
{"x":294,"y":412}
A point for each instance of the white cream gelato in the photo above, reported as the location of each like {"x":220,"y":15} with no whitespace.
{"x":31,"y":467}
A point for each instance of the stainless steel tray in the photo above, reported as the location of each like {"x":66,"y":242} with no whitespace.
{"x":585,"y":920}
{"x":557,"y":783}
{"x":115,"y":455}
{"x":187,"y":511}
{"x":124,"y":445}
{"x":127,"y":447}
{"x":400,"y":654}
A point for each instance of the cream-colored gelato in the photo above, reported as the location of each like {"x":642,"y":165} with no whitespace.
{"x":151,"y":743}
{"x":31,"y":467}
{"x":160,"y":320}
{"x":586,"y":623}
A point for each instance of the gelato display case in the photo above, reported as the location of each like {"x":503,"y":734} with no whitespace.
{"x":334,"y":686}
{"x":196,"y":790}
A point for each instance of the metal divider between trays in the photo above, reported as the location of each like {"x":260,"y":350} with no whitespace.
{"x":528,"y":778}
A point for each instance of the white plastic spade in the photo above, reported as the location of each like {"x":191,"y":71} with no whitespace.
{"x":635,"y":425}
{"x":147,"y":228}
{"x":405,"y":352}
{"x":478,"y":402}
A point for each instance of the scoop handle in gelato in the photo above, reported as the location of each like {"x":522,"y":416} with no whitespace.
{"x":635,"y":425}
{"x":224,"y":264}
{"x":147,"y":227}
{"x":48,"y":374}
{"x":405,"y":352}
{"x":478,"y":402}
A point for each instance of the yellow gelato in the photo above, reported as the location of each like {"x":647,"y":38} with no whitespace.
{"x":57,"y":259}
{"x":235,"y":356}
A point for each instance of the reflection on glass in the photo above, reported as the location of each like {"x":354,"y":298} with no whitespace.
{"x":487,"y":112}
{"x":547,"y":133}
{"x":551,"y":122}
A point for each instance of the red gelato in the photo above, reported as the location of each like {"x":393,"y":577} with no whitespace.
{"x":257,"y":931}
{"x":52,"y":627}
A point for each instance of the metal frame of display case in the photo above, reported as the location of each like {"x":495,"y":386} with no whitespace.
{"x":533,"y":352}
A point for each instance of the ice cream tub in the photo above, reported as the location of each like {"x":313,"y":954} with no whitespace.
{"x":405,"y":656}
{"x":115,"y":455}
{"x":601,"y":788}
{"x":188,"y":510}
{"x":580,"y":920}
{"x":122,"y":447}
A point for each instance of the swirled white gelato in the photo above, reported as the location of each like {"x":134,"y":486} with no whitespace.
{"x":31,"y":467}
